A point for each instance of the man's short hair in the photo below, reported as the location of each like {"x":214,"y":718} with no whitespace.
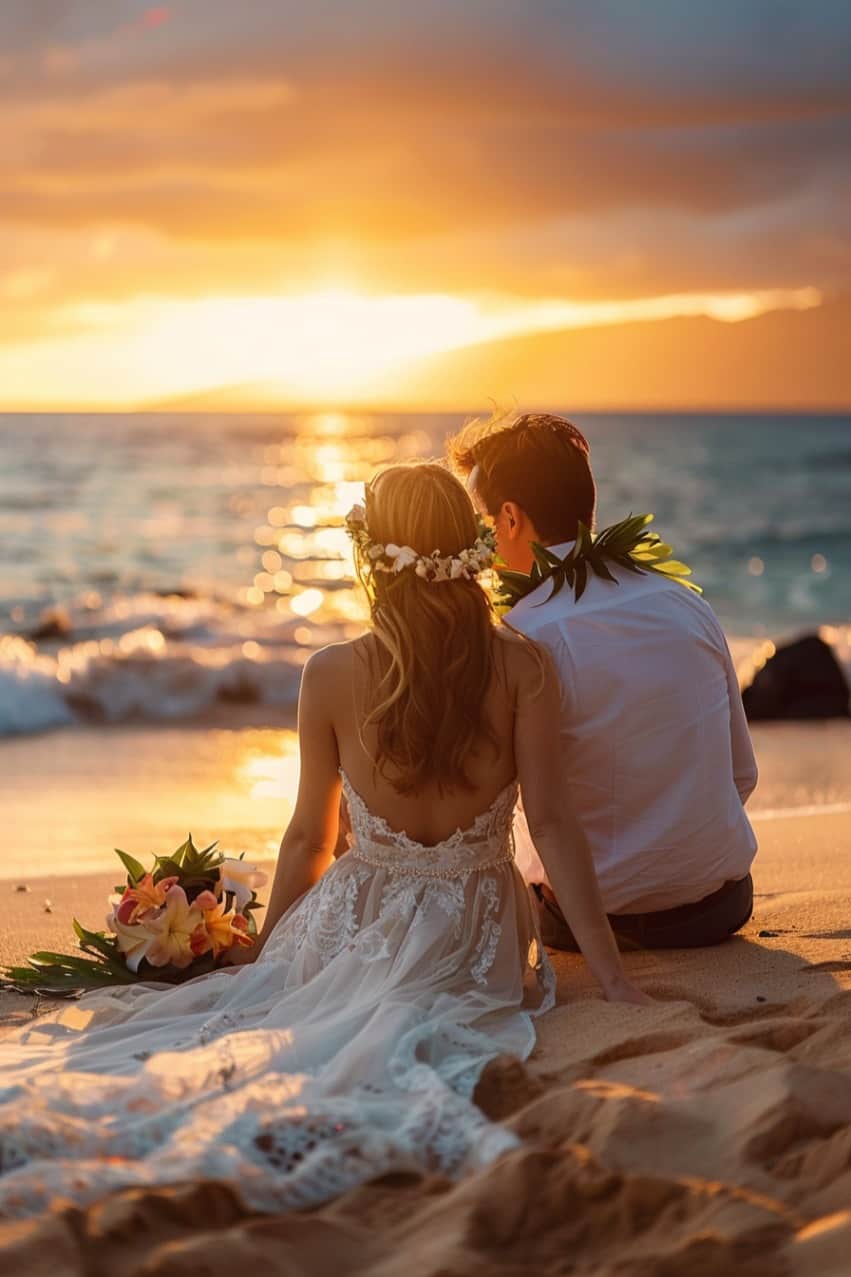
{"x":537,"y":460}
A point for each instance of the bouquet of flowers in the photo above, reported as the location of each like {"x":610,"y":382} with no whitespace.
{"x":171,"y":923}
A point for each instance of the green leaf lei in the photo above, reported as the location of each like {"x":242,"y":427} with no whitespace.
{"x":626,"y":544}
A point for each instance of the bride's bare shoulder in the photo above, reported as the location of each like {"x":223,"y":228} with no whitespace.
{"x":336,"y":658}
{"x":332,"y":666}
{"x":528,"y":665}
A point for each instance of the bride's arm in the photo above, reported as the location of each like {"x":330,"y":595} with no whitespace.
{"x":554,"y":827}
{"x":307,"y":847}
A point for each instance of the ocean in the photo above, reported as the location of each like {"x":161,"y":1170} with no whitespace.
{"x":161,"y":567}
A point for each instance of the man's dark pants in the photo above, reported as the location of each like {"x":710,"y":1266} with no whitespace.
{"x":706,"y":922}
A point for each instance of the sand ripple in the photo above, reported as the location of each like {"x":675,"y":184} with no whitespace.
{"x":672,"y":1141}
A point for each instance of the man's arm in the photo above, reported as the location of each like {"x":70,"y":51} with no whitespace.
{"x":745,"y":771}
{"x":555,"y":830}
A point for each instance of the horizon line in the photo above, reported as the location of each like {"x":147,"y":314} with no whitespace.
{"x":297,"y":409}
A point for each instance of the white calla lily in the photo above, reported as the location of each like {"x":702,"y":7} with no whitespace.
{"x":242,"y":878}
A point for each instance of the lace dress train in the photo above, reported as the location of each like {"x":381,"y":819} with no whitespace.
{"x":349,"y":1049}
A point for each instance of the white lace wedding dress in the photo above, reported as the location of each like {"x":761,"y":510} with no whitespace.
{"x":351,"y":1048}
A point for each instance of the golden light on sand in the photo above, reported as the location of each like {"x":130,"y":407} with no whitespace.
{"x":267,"y":774}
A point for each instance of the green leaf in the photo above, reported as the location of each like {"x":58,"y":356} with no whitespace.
{"x":61,"y":977}
{"x":582,"y":544}
{"x":167,"y":867}
{"x":581,"y":578}
{"x":652,"y":552}
{"x":100,"y":942}
{"x":635,"y":523}
{"x":135,"y":870}
{"x":598,"y":565}
{"x":544,"y":557}
{"x":46,"y":958}
{"x":82,"y":933}
{"x":514,"y":585}
{"x":673,"y":568}
{"x":559,"y":578}
{"x":508,"y":577}
{"x":182,"y":852}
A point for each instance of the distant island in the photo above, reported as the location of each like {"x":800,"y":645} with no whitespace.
{"x":791,"y":359}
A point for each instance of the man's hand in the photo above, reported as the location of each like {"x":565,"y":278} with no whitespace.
{"x":623,"y":990}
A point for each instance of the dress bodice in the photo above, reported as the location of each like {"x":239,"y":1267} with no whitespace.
{"x":482,"y":845}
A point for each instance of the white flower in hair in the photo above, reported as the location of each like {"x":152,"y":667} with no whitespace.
{"x":402,"y":556}
{"x":393,"y":559}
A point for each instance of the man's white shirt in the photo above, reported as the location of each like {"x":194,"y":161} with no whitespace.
{"x":656,"y":751}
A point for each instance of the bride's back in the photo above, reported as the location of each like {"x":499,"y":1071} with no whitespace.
{"x":424,"y":703}
{"x":435,"y":811}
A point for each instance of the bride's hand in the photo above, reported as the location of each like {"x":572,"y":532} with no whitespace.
{"x":240,"y":956}
{"x":623,"y":990}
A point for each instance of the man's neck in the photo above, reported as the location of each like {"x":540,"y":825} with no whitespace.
{"x":562,"y":548}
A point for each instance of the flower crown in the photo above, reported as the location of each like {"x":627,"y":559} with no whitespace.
{"x":466,"y":565}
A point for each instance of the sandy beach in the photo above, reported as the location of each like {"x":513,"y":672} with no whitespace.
{"x":712,"y":1129}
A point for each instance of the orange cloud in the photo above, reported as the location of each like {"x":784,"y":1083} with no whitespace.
{"x":412,"y":149}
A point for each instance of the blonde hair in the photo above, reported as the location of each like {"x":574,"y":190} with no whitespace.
{"x":433,"y":661}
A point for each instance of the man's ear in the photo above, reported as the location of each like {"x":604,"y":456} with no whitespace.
{"x":514,"y":520}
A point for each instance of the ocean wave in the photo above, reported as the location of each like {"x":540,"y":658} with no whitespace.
{"x":143,"y":678}
{"x":149,"y":658}
{"x":142,"y":675}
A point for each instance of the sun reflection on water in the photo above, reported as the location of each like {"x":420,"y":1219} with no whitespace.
{"x":299,"y":558}
{"x":267,"y":773}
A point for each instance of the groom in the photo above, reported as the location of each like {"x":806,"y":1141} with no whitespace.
{"x":656,"y":753}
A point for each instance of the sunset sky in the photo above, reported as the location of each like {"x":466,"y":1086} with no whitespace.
{"x":317,"y":202}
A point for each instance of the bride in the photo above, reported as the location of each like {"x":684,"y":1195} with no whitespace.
{"x":349,"y":1042}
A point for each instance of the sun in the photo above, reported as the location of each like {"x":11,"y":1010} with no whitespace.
{"x":320,"y":346}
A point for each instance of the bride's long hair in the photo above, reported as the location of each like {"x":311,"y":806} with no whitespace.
{"x":433,"y":663}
